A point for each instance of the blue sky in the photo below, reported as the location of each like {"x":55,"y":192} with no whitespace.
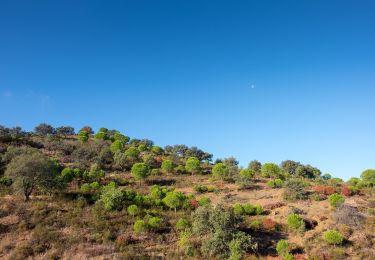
{"x":182,"y":72}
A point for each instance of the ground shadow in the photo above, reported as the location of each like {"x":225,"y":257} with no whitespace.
{"x":163,"y":182}
{"x":266,"y":240}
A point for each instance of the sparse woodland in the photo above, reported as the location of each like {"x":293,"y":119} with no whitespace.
{"x":103,"y":195}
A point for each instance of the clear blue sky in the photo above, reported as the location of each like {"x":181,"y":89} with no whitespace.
{"x":182,"y":72}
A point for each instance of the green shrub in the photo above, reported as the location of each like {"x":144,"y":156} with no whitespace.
{"x":270,"y":170}
{"x":139,"y":226}
{"x":277,"y":183}
{"x":336,"y":200}
{"x":111,"y":197}
{"x":295,"y":189}
{"x":239,"y":245}
{"x":249,"y":209}
{"x":288,"y":256}
{"x":90,"y":187}
{"x":140,"y":171}
{"x":371,"y":211}
{"x":220,"y":171}
{"x":204,"y":201}
{"x":117,"y":146}
{"x":259,"y":210}
{"x":200,"y":188}
{"x":174,"y":200}
{"x":238,"y":209}
{"x":282,"y":247}
{"x":256,"y":224}
{"x":133,"y":210}
{"x":193,"y":165}
{"x":68,"y":174}
{"x":182,"y":224}
{"x":167,"y":166}
{"x":6,"y":181}
{"x":155,"y":223}
{"x":296,"y":223}
{"x":333,"y":237}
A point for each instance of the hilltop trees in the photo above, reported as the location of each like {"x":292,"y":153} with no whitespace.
{"x":44,"y":130}
{"x":289,"y":166}
{"x":270,"y":170}
{"x":307,"y":171}
{"x":83,"y":136}
{"x":255,"y":166}
{"x":32,"y":171}
{"x":368,"y":176}
{"x":65,"y":131}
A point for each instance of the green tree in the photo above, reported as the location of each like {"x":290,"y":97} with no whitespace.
{"x":67,"y":174}
{"x":140,"y":226}
{"x":295,"y":189}
{"x":174,"y":200}
{"x":336,"y":200}
{"x":239,"y":245}
{"x":157,"y":150}
{"x":132,"y":153}
{"x":112,"y":197}
{"x":255,"y":166}
{"x":220,"y":171}
{"x":140,"y":171}
{"x":289,"y":166}
{"x":192,"y":165}
{"x":270,"y":170}
{"x":31,"y":172}
{"x":333,"y":237}
{"x":65,"y":131}
{"x":44,"y":130}
{"x":369,"y":176}
{"x":133,"y":210}
{"x":167,"y":166}
{"x":117,"y":146}
{"x":155,"y":223}
{"x":83,"y":136}
{"x":296,"y":223}
{"x":282,"y":247}
{"x":307,"y":171}
{"x":326,"y":176}
{"x":182,"y":224}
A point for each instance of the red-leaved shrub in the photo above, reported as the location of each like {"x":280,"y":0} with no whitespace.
{"x":345,"y":190}
{"x":324,"y":190}
{"x":269,"y":225}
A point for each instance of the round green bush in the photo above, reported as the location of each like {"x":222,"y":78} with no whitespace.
{"x":238,"y":209}
{"x":259,"y":210}
{"x":249,"y":209}
{"x":182,"y":224}
{"x":140,"y":171}
{"x":155,"y":223}
{"x":139,"y":226}
{"x":333,"y":237}
{"x":336,"y":200}
{"x":256,"y":224}
{"x":204,"y":201}
{"x":133,"y":210}
{"x":296,"y":223}
{"x":282,"y":247}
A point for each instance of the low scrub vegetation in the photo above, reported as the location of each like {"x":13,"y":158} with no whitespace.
{"x":68,"y":194}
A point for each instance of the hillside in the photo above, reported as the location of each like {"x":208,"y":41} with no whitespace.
{"x":103,"y":195}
